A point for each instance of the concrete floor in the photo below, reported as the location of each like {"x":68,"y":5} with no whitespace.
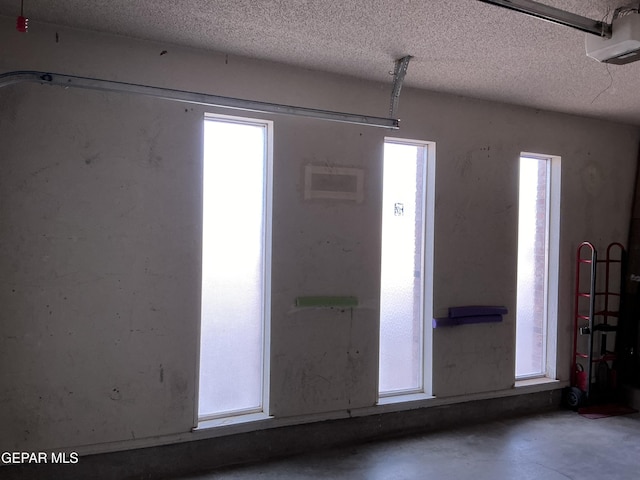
{"x":553,"y":446}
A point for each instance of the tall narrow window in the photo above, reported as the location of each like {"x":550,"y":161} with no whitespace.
{"x":537,"y":249}
{"x":402,"y":300}
{"x":234,"y":266}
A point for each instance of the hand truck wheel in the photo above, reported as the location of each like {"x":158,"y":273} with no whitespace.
{"x":573,"y":397}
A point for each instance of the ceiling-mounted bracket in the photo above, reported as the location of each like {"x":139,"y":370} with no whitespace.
{"x":555,"y":15}
{"x":399,"y":73}
{"x":67,"y":81}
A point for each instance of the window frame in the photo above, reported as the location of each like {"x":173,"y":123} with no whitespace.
{"x":426,"y":280}
{"x":551,"y":281}
{"x":262,"y":411}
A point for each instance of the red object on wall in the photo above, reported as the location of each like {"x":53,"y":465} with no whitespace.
{"x":581,"y":379}
{"x":22,"y":25}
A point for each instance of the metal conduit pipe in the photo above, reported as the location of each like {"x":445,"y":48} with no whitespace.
{"x":47,"y":78}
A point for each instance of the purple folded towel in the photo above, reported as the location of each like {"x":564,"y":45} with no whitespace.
{"x":475,"y":311}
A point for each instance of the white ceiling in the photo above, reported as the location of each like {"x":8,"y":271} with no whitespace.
{"x":463,"y":47}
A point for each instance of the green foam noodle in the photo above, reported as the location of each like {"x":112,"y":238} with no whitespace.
{"x":327,"y":301}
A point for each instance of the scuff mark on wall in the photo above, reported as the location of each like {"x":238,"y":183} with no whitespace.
{"x":179,"y":390}
{"x":115,"y":395}
{"x":89,"y":159}
{"x":472,"y":164}
{"x":10,"y":102}
{"x":37,"y":172}
{"x":150,"y":138}
{"x":313,"y":385}
{"x":463,"y":165}
{"x":591,"y":177}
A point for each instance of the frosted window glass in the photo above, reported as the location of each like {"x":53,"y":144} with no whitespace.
{"x":232,"y":268}
{"x":401,"y":269}
{"x":533,"y":221}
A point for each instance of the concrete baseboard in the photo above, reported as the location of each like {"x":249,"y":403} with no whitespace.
{"x":205,"y":455}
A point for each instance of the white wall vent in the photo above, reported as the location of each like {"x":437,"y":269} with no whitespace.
{"x":337,"y":183}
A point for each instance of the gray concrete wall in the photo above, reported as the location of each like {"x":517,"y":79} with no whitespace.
{"x":100,"y":206}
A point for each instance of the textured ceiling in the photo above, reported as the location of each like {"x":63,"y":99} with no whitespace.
{"x":464,"y":47}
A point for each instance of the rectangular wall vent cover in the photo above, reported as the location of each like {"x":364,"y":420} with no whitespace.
{"x":337,"y":183}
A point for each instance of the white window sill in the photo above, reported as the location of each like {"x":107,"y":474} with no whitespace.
{"x":409,"y":397}
{"x":229,"y":421}
{"x":539,"y":384}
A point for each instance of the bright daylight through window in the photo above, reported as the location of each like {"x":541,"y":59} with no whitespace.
{"x":234,"y":267}
{"x":402,"y":300}
{"x":537,"y":268}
